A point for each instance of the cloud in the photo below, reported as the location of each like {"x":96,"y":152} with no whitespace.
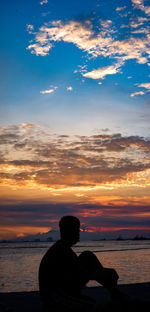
{"x":106,"y":24}
{"x":103,"y":178}
{"x":48,"y":91}
{"x":118,"y":9}
{"x":30,"y":28}
{"x":53,"y":161}
{"x":145,"y":85}
{"x":43,"y":2}
{"x":137,"y":22}
{"x":100,"y":73}
{"x":69,"y":88}
{"x":104,"y":42}
{"x":72,"y":31}
{"x":16,"y":133}
{"x":139,"y":4}
{"x":83,"y":36}
{"x":95,"y":218}
{"x":38,"y":49}
{"x":137,"y":93}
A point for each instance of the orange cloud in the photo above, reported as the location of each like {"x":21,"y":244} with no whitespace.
{"x":102,"y":161}
{"x":105,"y":176}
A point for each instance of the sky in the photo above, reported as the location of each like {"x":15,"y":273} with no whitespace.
{"x":74,"y":116}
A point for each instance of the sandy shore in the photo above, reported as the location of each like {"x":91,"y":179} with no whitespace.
{"x":30,"y":301}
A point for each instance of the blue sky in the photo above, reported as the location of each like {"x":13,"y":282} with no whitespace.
{"x":105,"y":102}
{"x":78,"y":69}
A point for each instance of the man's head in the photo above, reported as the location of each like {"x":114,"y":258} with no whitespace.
{"x":69,"y":229}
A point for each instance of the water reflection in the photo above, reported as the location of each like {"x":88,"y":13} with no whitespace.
{"x":132,"y":266}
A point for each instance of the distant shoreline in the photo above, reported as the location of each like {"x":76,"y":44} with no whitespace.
{"x":136,"y":238}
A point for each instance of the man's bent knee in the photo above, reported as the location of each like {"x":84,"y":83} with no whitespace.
{"x":89,"y":260}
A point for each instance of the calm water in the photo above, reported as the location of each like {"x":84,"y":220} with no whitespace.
{"x":19,"y":262}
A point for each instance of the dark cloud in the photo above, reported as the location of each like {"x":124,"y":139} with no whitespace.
{"x":98,"y":216}
{"x":19,"y":146}
{"x":30,"y":163}
{"x":8,"y":138}
{"x":34,"y":214}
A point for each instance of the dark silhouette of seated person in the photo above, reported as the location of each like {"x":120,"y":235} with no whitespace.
{"x":62,"y":273}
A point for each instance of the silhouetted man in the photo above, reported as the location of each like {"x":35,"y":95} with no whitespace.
{"x":63,"y":274}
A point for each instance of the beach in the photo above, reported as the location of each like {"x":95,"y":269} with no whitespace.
{"x":30,"y":301}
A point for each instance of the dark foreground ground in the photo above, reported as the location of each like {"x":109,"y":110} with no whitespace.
{"x":30,"y":301}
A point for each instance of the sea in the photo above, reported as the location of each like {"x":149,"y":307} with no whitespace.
{"x":19,"y":262}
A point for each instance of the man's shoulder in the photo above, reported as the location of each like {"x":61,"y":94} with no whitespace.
{"x":59,"y":250}
{"x":51,"y":254}
{"x":58,"y":246}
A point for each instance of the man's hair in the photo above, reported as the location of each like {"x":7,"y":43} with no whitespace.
{"x":67,"y":223}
